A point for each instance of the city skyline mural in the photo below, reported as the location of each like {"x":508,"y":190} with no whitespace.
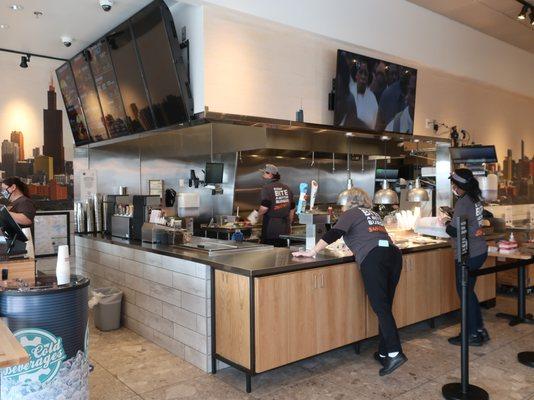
{"x":44,"y":169}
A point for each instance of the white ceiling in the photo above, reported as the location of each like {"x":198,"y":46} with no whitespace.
{"x":83,"y":20}
{"x":497,"y":18}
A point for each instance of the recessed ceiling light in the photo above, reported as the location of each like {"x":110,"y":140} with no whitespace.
{"x":37,"y":14}
{"x":16,"y":7}
{"x":4,"y":26}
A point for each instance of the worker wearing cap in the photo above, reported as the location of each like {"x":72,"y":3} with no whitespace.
{"x":277,"y":207}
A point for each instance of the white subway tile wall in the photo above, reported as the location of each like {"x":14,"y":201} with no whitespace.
{"x":166,"y":299}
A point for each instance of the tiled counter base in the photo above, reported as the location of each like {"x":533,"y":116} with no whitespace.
{"x":166,"y":299}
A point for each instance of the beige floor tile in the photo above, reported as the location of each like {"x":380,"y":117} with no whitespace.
{"x":427,"y":391}
{"x":104,"y":386}
{"x":206,"y":387}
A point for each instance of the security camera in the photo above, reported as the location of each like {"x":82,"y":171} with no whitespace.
{"x":67,"y":41}
{"x":106,"y":4}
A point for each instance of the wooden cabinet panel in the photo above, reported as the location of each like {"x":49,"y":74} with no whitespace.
{"x":272,"y":321}
{"x":20,"y":269}
{"x":302,"y":313}
{"x":232,"y":322}
{"x":340,"y":304}
{"x":424,"y":286}
{"x":486,"y":287}
{"x":449,"y":296}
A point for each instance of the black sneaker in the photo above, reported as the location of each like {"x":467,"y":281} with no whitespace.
{"x":392,"y":363}
{"x":474,"y":340}
{"x":484,"y":335}
{"x":378,"y":358}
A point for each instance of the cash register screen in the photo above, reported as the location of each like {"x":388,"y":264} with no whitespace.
{"x":9,"y":226}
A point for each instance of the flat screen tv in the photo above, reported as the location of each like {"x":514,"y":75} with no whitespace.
{"x":214,"y":172}
{"x":473,"y":154}
{"x":374,"y":95}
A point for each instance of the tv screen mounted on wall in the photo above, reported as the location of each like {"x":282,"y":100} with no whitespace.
{"x":374,"y":95}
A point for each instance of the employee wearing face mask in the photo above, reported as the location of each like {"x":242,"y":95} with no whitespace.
{"x":277,"y":207}
{"x":469,"y":205}
{"x":21,"y":207}
{"x":380,"y":264}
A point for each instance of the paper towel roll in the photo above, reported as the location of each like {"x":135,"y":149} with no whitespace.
{"x":63,"y":265}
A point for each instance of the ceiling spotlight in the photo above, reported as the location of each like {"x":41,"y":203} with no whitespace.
{"x":24,"y":60}
{"x":38,"y":14}
{"x":4,"y":26}
{"x":523,"y":14}
{"x":16,"y":7}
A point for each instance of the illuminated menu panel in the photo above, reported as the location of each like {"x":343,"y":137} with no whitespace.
{"x":89,"y":97}
{"x":108,"y":90}
{"x":158,"y":66}
{"x":72,"y":104}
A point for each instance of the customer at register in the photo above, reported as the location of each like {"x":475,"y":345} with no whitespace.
{"x":277,"y":207}
{"x":380,"y":265}
{"x":465,"y":187}
{"x":21,"y":206}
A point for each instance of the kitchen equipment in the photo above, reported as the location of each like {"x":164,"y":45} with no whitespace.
{"x":123,"y":190}
{"x":170,"y":197}
{"x":316,"y":226}
{"x":90,"y":215}
{"x":142,"y":206}
{"x":313,"y":194}
{"x":122,"y":226}
{"x":97,"y":201}
{"x":154,"y":233}
{"x":79,"y":217}
{"x":108,"y":209}
{"x":188,"y":204}
{"x":301,"y":206}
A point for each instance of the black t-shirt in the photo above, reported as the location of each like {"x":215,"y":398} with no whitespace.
{"x":278,"y":198}
{"x":24,"y":205}
{"x":364,"y":231}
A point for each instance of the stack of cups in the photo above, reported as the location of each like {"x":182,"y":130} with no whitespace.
{"x":63,"y":265}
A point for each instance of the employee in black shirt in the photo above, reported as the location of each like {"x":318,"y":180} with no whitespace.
{"x":21,"y":206}
{"x":277,"y":207}
{"x":380,"y":265}
{"x":468,"y":204}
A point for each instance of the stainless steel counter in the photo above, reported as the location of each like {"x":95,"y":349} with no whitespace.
{"x":250,"y":259}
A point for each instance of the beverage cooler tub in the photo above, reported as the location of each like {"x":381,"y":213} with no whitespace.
{"x":51,"y":323}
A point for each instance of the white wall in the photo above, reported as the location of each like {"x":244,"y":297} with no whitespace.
{"x":257,"y":67}
{"x":402,"y":29}
{"x":192,"y":17}
{"x":23,"y":98}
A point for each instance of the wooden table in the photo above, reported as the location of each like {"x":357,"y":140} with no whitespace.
{"x":11,"y":351}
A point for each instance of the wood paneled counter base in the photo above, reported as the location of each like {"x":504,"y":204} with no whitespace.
{"x":11,"y":352}
{"x":261,"y":323}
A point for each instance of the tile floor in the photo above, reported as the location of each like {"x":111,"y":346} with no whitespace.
{"x":128,"y":367}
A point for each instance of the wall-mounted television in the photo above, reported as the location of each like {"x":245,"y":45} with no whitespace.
{"x":473,"y":154}
{"x":374,"y":95}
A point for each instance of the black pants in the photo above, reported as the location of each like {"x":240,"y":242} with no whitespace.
{"x":474,"y":314}
{"x":381,"y":271}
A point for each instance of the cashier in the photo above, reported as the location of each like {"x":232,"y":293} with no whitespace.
{"x":21,"y":207}
{"x":465,"y":188}
{"x":380,"y":264}
{"x":277,"y":207}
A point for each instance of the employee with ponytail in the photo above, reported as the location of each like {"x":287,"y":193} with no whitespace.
{"x":469,"y":205}
{"x":21,"y":206}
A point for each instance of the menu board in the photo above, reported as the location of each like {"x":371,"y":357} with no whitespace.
{"x":89,"y":97}
{"x":108,"y":90}
{"x":157,"y":62}
{"x":130,"y":81}
{"x":72,"y":104}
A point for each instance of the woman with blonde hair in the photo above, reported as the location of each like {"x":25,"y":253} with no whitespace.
{"x":380,"y":264}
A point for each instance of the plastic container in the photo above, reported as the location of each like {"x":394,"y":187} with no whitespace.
{"x":106,"y":303}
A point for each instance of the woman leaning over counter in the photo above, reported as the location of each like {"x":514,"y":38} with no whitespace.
{"x":380,"y":263}
{"x":20,"y":207}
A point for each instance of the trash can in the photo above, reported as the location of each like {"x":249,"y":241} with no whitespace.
{"x":106,"y":303}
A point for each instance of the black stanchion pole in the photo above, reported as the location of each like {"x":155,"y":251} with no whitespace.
{"x":463,"y":390}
